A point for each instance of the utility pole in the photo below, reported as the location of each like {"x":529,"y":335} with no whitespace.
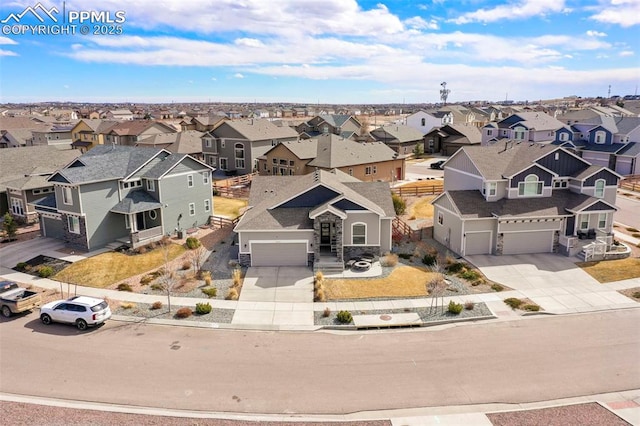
{"x":444,"y":92}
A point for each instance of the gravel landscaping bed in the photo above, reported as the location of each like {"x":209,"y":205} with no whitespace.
{"x":427,"y":315}
{"x":144,"y":311}
{"x":590,"y":414}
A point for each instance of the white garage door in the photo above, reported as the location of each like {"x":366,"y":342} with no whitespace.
{"x":527,"y":242}
{"x":279,"y":254}
{"x":477,"y":243}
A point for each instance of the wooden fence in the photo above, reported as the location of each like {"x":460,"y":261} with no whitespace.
{"x":418,"y":191}
{"x":222,"y":222}
{"x":630,"y":183}
{"x":234,"y":187}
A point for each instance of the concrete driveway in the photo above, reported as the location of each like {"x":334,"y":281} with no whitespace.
{"x":276,"y":296}
{"x":554,"y":282}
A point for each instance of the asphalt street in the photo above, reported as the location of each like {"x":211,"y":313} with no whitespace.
{"x":323,"y":373}
{"x":628,"y":211}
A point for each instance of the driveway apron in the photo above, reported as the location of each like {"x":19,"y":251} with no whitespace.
{"x":277,"y":297}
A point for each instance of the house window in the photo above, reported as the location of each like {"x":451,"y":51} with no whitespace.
{"x":265,"y":167}
{"x":350,"y":172}
{"x":74,"y":224}
{"x":223,"y":163}
{"x":189,"y":181}
{"x":274,"y":171}
{"x":583,"y":222}
{"x":423,"y":122}
{"x":292,"y":163}
{"x":153,"y":215}
{"x":192,"y":209}
{"x":564,"y":136}
{"x":17,"y":207}
{"x":599,"y":191}
{"x":127,"y":224}
{"x":291,"y":173}
{"x":440,"y":218}
{"x":367,"y":170}
{"x":207,"y":143}
{"x":359,"y":234}
{"x":239,"y":150}
{"x":207,"y":205}
{"x":560,"y":183}
{"x":222,"y":144}
{"x":205,"y":178}
{"x":602,"y":220}
{"x":151,"y":186}
{"x":600,"y":137}
{"x":375,"y":170}
{"x":489,"y":132}
{"x":66,"y":196}
{"x":492,"y":188}
{"x":531,"y":186}
{"x":212,"y":161}
{"x":274,"y":160}
{"x":518,"y":133}
{"x":239,"y":163}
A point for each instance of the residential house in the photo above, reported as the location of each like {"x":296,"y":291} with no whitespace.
{"x":323,"y":219}
{"x":527,"y":126}
{"x":425,"y":121}
{"x":18,"y":131}
{"x":203,"y":124}
{"x":88,"y":133}
{"x":346,"y":126}
{"x":119,"y":114}
{"x":185,"y":142}
{"x":122,"y":195}
{"x":235,"y":146}
{"x":364,"y":161}
{"x":16,"y":138}
{"x":451,"y":137}
{"x":127,"y":133}
{"x":519,"y":198}
{"x":402,"y":139}
{"x":22,"y":176}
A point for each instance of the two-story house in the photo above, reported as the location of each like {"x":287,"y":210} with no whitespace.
{"x":125,"y":196}
{"x":365,"y":161}
{"x":402,"y":139}
{"x":53,"y":135}
{"x":184,"y":142}
{"x":451,"y":137}
{"x":119,"y":114}
{"x":343,"y":125}
{"x":425,"y":121}
{"x":88,"y":133}
{"x":529,"y":126}
{"x":512,"y":198}
{"x":235,"y":146}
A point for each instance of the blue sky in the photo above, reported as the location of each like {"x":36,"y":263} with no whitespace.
{"x":324,"y":51}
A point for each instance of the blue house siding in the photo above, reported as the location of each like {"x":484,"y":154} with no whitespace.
{"x":348,"y":205}
{"x":608,"y":136}
{"x":313,"y":197}
{"x":563,"y":131}
{"x":565,"y":165}
{"x":609,"y":178}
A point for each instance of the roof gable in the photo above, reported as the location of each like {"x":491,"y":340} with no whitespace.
{"x":313,"y":197}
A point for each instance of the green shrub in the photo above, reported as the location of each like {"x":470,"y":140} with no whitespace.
{"x":429,"y":259}
{"x":45,"y":271}
{"x":454,"y":308}
{"x":124,"y":287}
{"x":636,"y":294}
{"x":470,"y":275}
{"x":513,"y":302}
{"x":497,"y":287}
{"x":344,"y":317}
{"x":399,"y":205}
{"x":203,"y":308}
{"x":405,"y":256}
{"x":455,"y":267}
{"x":210,"y":291}
{"x":192,"y":243}
{"x":22,"y":266}
{"x":184,"y":312}
{"x":156,"y":305}
{"x":531,"y":307}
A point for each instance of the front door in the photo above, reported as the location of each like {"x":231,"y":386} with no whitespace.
{"x":325,"y":234}
{"x":140,"y":221}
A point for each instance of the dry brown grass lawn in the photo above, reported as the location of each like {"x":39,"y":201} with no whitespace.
{"x":612,"y":270}
{"x":422,"y":209}
{"x":228,"y":207}
{"x":404,"y":281}
{"x":105,"y":269}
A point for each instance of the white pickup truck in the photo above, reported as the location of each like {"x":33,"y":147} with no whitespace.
{"x":15,"y":299}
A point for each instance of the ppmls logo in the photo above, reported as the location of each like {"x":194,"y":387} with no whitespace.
{"x":33,"y":11}
{"x":68,"y":22}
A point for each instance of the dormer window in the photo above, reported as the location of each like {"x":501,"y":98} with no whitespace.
{"x":490,"y":189}
{"x":518,"y":133}
{"x":600,"y":137}
{"x":530,"y":187}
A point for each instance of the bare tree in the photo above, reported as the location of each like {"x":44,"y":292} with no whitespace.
{"x":168,"y":277}
{"x":198,"y":257}
{"x":436,"y":287}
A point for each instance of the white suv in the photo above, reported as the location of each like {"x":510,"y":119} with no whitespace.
{"x":79,"y":310}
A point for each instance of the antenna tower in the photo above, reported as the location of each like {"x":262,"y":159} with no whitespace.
{"x":444,"y":92}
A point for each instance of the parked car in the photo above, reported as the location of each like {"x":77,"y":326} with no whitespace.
{"x":82,"y":311}
{"x":15,"y":299}
{"x":437,"y":165}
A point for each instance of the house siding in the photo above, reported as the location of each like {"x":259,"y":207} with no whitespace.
{"x":565,"y":165}
{"x":102,"y":226}
{"x":246,"y":237}
{"x":449,"y":233}
{"x":372,"y":221}
{"x":457,"y":180}
{"x":542,"y":174}
{"x":176,"y":196}
{"x":75,"y":196}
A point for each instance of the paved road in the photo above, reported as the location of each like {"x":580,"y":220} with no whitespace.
{"x":261,"y":372}
{"x":628,"y":211}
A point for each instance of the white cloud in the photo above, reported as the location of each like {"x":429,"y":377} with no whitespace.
{"x":214,"y":79}
{"x":238,"y":75}
{"x":7,"y":53}
{"x":626,"y":53}
{"x":625,"y":13}
{"x":592,"y":33}
{"x":7,"y":40}
{"x":249,"y":42}
{"x":420,"y":24}
{"x":513,"y":10}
